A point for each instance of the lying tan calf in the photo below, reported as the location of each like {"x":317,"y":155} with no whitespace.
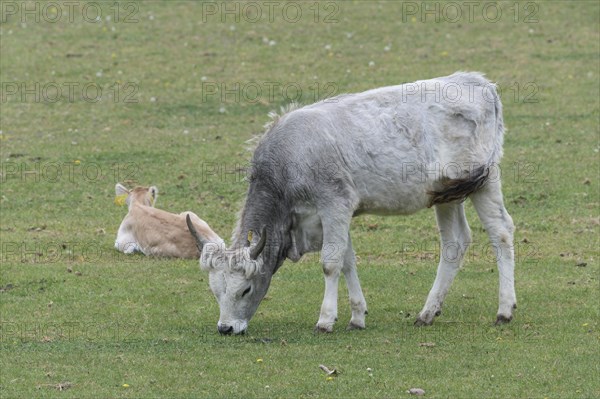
{"x":154,"y":231}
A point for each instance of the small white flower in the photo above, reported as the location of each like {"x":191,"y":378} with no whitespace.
{"x":371,"y":64}
{"x":222,"y":110}
{"x":99,"y":73}
{"x":151,"y":17}
{"x":113,"y":29}
{"x":272,"y":42}
{"x":203,"y":78}
{"x":349,"y":35}
{"x":186,"y":132}
{"x":108,"y":18}
{"x":152,"y":99}
{"x":387,"y":48}
{"x":119,"y":72}
{"x":328,"y":47}
{"x":232,"y":27}
{"x":531,"y":31}
{"x":265,"y":40}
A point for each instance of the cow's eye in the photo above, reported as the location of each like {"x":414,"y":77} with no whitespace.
{"x":247,"y":290}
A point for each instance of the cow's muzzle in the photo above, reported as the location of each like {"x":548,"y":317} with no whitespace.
{"x":232,"y":328}
{"x":224,"y":329}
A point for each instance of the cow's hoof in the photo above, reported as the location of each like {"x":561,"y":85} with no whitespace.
{"x":420,"y":322}
{"x":354,"y":326}
{"x":323,"y":329}
{"x":501,"y":319}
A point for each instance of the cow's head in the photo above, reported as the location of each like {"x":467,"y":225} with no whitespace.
{"x":236,"y":277}
{"x":141,"y":195}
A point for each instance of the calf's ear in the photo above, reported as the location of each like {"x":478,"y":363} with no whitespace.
{"x":153,"y":193}
{"x":121,"y":190}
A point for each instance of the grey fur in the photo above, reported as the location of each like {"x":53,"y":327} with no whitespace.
{"x":392,"y":150}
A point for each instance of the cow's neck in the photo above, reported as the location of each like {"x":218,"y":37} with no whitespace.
{"x":264,"y":210}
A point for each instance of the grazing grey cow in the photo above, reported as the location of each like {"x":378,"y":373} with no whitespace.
{"x":392,"y":150}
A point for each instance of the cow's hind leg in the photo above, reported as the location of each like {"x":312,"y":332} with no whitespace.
{"x":357,"y":299}
{"x":500,"y":228}
{"x":336,"y":228}
{"x":455,"y":239}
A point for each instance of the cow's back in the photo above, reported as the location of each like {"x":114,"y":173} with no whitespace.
{"x":385,"y":149}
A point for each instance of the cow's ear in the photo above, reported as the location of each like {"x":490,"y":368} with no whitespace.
{"x":121,"y":190}
{"x":153,"y":193}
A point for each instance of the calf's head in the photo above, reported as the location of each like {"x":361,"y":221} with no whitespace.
{"x":236,"y":277}
{"x":140,"y":195}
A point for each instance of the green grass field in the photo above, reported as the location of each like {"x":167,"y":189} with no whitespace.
{"x":183,"y":86}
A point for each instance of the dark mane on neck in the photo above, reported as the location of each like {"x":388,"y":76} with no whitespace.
{"x":265,"y":207}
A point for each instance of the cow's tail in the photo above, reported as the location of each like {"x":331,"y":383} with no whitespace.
{"x":498,"y":140}
{"x":459,"y":189}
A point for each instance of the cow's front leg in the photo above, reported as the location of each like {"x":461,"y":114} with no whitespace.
{"x":335,"y":241}
{"x":328,"y":316}
{"x":357,"y":299}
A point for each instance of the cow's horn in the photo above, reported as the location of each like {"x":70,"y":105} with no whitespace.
{"x":199,"y":241}
{"x":257,"y":248}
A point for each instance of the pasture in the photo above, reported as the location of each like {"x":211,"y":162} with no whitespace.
{"x":169,"y":93}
